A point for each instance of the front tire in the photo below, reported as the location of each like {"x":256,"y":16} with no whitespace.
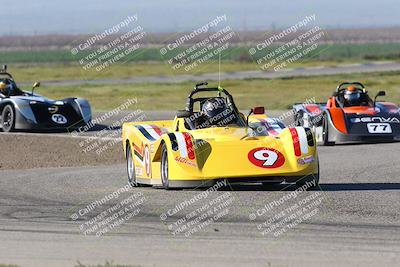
{"x":325,"y":132}
{"x":164,"y":167}
{"x":8,"y":119}
{"x":130,"y":166}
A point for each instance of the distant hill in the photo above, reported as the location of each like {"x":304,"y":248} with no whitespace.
{"x":338,"y":36}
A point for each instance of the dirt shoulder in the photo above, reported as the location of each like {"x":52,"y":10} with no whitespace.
{"x":41,"y":151}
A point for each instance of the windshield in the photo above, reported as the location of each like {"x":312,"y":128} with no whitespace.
{"x":223,"y":118}
{"x":266,"y":127}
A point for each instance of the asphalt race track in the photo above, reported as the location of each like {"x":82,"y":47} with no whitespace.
{"x":358,"y":220}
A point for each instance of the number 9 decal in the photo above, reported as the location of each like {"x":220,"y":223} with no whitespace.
{"x":268,"y":158}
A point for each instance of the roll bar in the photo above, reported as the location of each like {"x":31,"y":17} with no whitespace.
{"x":3,"y":71}
{"x":349,"y":83}
{"x":198,"y":89}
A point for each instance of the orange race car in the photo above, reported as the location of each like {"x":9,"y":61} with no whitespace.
{"x":350,"y":115}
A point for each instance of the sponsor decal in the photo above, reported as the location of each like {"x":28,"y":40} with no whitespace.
{"x":375,"y":119}
{"x":53,"y":109}
{"x":139,"y":171}
{"x":185,"y":161}
{"x":59,"y":119}
{"x":264,"y":157}
{"x":306,"y":160}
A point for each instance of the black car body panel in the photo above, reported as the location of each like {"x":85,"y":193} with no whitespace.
{"x":34,"y":112}
{"x":380,"y":127}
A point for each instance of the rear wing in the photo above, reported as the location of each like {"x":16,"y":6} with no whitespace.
{"x":305,"y":104}
{"x":310,"y":108}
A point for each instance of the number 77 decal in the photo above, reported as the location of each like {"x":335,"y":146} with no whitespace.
{"x":376,"y":128}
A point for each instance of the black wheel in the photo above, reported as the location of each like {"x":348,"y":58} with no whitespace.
{"x":298,"y":118}
{"x":325,"y":132}
{"x":164,"y":167}
{"x":130,"y":166}
{"x":8,"y":116}
{"x":318,"y":120}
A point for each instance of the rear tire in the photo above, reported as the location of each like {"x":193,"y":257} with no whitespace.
{"x":8,"y":119}
{"x":130,"y":166}
{"x":164,"y":167}
{"x":325,"y":132}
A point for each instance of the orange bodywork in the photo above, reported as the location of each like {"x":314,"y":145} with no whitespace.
{"x":331,"y":103}
{"x":337,"y":117}
{"x":360,"y":110}
{"x":337,"y":113}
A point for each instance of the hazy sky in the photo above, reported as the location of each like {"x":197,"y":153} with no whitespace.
{"x":92,"y":16}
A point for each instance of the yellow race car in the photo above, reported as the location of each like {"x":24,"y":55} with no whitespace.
{"x":211,"y":140}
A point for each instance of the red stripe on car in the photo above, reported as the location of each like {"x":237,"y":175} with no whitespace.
{"x":189,"y":145}
{"x":138,"y":149}
{"x":157,"y":129}
{"x":296,"y":141}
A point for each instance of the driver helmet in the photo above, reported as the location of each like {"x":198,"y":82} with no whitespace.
{"x":216,"y":112}
{"x":3,"y":85}
{"x":5,"y":88}
{"x":352,"y":95}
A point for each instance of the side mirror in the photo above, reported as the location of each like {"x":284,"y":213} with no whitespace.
{"x":380,"y":93}
{"x":255,"y":111}
{"x":258,"y":110}
{"x":36,"y":84}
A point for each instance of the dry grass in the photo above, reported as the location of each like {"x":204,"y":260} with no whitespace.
{"x":273,"y":94}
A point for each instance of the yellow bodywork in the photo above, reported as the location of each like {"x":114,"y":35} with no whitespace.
{"x":218,"y":153}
